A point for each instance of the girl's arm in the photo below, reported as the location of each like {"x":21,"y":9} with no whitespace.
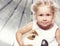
{"x":58,"y":36}
{"x":22,"y":31}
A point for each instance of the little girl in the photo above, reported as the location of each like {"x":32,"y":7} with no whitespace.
{"x":42,"y":27}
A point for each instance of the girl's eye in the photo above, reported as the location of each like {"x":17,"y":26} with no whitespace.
{"x":48,"y":14}
{"x":41,"y":15}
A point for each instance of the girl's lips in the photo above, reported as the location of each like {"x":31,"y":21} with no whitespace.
{"x":44,"y":22}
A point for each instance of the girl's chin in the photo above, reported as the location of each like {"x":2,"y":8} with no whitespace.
{"x":45,"y":25}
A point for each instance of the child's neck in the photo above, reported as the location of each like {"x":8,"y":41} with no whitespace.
{"x":45,"y":28}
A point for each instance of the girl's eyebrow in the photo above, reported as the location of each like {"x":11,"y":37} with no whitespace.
{"x":46,"y":14}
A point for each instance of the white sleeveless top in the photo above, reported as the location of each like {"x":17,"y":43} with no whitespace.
{"x":49,"y":34}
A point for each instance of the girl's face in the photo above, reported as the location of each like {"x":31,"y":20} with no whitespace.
{"x":44,"y":16}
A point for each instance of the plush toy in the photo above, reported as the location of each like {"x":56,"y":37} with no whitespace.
{"x":44,"y":43}
{"x":32,"y":39}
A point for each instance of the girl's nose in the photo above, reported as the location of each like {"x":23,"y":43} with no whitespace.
{"x":44,"y":18}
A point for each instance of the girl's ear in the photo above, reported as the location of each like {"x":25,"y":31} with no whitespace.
{"x":34,"y":16}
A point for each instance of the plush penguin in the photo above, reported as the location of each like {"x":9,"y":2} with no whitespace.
{"x":44,"y":43}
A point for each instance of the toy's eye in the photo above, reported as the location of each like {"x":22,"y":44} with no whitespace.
{"x":33,"y":36}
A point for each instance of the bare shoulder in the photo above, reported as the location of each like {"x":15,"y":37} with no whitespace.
{"x":58,"y":31}
{"x":58,"y":34}
{"x":26,"y":28}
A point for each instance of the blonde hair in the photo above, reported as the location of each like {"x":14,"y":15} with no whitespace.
{"x":34,"y":7}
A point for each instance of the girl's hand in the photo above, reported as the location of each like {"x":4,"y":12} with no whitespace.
{"x":28,"y":45}
{"x":58,"y":44}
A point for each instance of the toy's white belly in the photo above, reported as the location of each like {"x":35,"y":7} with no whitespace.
{"x":37,"y":40}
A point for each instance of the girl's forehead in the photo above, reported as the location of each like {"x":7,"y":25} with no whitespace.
{"x":44,"y":9}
